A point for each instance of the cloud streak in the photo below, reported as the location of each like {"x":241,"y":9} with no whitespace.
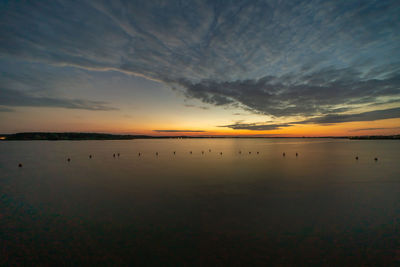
{"x":322,"y":120}
{"x":199,"y":107}
{"x":4,"y":109}
{"x":255,"y":126}
{"x":22,"y":99}
{"x":179,"y":131}
{"x":365,"y":116}
{"x":373,"y":129}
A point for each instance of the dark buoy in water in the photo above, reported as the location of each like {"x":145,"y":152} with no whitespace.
{"x":68,"y":159}
{"x":156,"y":153}
{"x":118,"y":154}
{"x":191,"y":152}
{"x":376,"y":159}
{"x":139,"y":154}
{"x":240,"y":152}
{"x":284,"y":154}
{"x":20,"y":165}
{"x":114,"y":155}
{"x":220,"y":153}
{"x":174,"y":152}
{"x":297,"y":154}
{"x":249,"y":152}
{"x":258,"y":152}
{"x":209,"y":150}
{"x":90,"y":156}
{"x":202,"y":152}
{"x":356,"y":157}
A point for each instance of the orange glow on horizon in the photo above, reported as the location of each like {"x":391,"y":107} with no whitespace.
{"x":381,"y":127}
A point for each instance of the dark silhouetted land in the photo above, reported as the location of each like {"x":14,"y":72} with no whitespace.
{"x":105,"y":136}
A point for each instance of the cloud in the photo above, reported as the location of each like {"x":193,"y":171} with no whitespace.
{"x":178,"y":131}
{"x":194,"y":106}
{"x":22,"y":99}
{"x":255,"y":126}
{"x":326,"y":119}
{"x":280,"y":58}
{"x":4,"y":109}
{"x":306,"y":95}
{"x":373,"y":129}
{"x":365,"y":116}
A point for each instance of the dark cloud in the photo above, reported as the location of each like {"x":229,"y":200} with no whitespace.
{"x":21,"y":99}
{"x":365,"y":116}
{"x":304,"y":95}
{"x":372,"y":129}
{"x":255,"y":126}
{"x":326,"y":119}
{"x":178,"y":131}
{"x":280,"y":58}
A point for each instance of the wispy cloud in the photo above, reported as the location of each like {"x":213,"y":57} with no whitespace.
{"x":4,"y":109}
{"x":195,"y":106}
{"x":22,"y":99}
{"x":373,"y":129}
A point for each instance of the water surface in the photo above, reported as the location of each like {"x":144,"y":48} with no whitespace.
{"x":321,"y":207}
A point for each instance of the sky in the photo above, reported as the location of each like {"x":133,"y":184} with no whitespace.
{"x":229,"y":67}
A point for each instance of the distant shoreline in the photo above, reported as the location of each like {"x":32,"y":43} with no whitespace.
{"x":76,"y":136}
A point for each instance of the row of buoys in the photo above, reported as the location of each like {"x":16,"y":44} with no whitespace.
{"x":202,"y":152}
{"x":191,"y":152}
{"x":284,"y":154}
{"x":376,"y":159}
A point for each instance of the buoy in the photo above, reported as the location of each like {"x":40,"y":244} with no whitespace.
{"x":249,"y":152}
{"x":240,"y":152}
{"x":139,"y":154}
{"x":118,"y":154}
{"x":220,"y":153}
{"x":20,"y":165}
{"x":356,"y":157}
{"x":202,"y":152}
{"x":68,"y":159}
{"x":209,"y":150}
{"x":296,"y":154}
{"x":114,"y":155}
{"x":376,"y":159}
{"x":90,"y":156}
{"x":156,"y":153}
{"x":190,"y":152}
{"x":174,"y":152}
{"x":284,"y":154}
{"x":258,"y":152}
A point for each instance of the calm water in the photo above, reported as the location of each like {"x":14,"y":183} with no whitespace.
{"x":322,"y":207}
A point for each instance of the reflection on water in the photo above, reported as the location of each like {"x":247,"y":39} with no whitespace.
{"x":200,"y":208}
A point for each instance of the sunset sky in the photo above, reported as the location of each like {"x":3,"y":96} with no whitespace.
{"x":280,"y":68}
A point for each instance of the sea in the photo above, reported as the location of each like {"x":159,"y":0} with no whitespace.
{"x":200,"y":202}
